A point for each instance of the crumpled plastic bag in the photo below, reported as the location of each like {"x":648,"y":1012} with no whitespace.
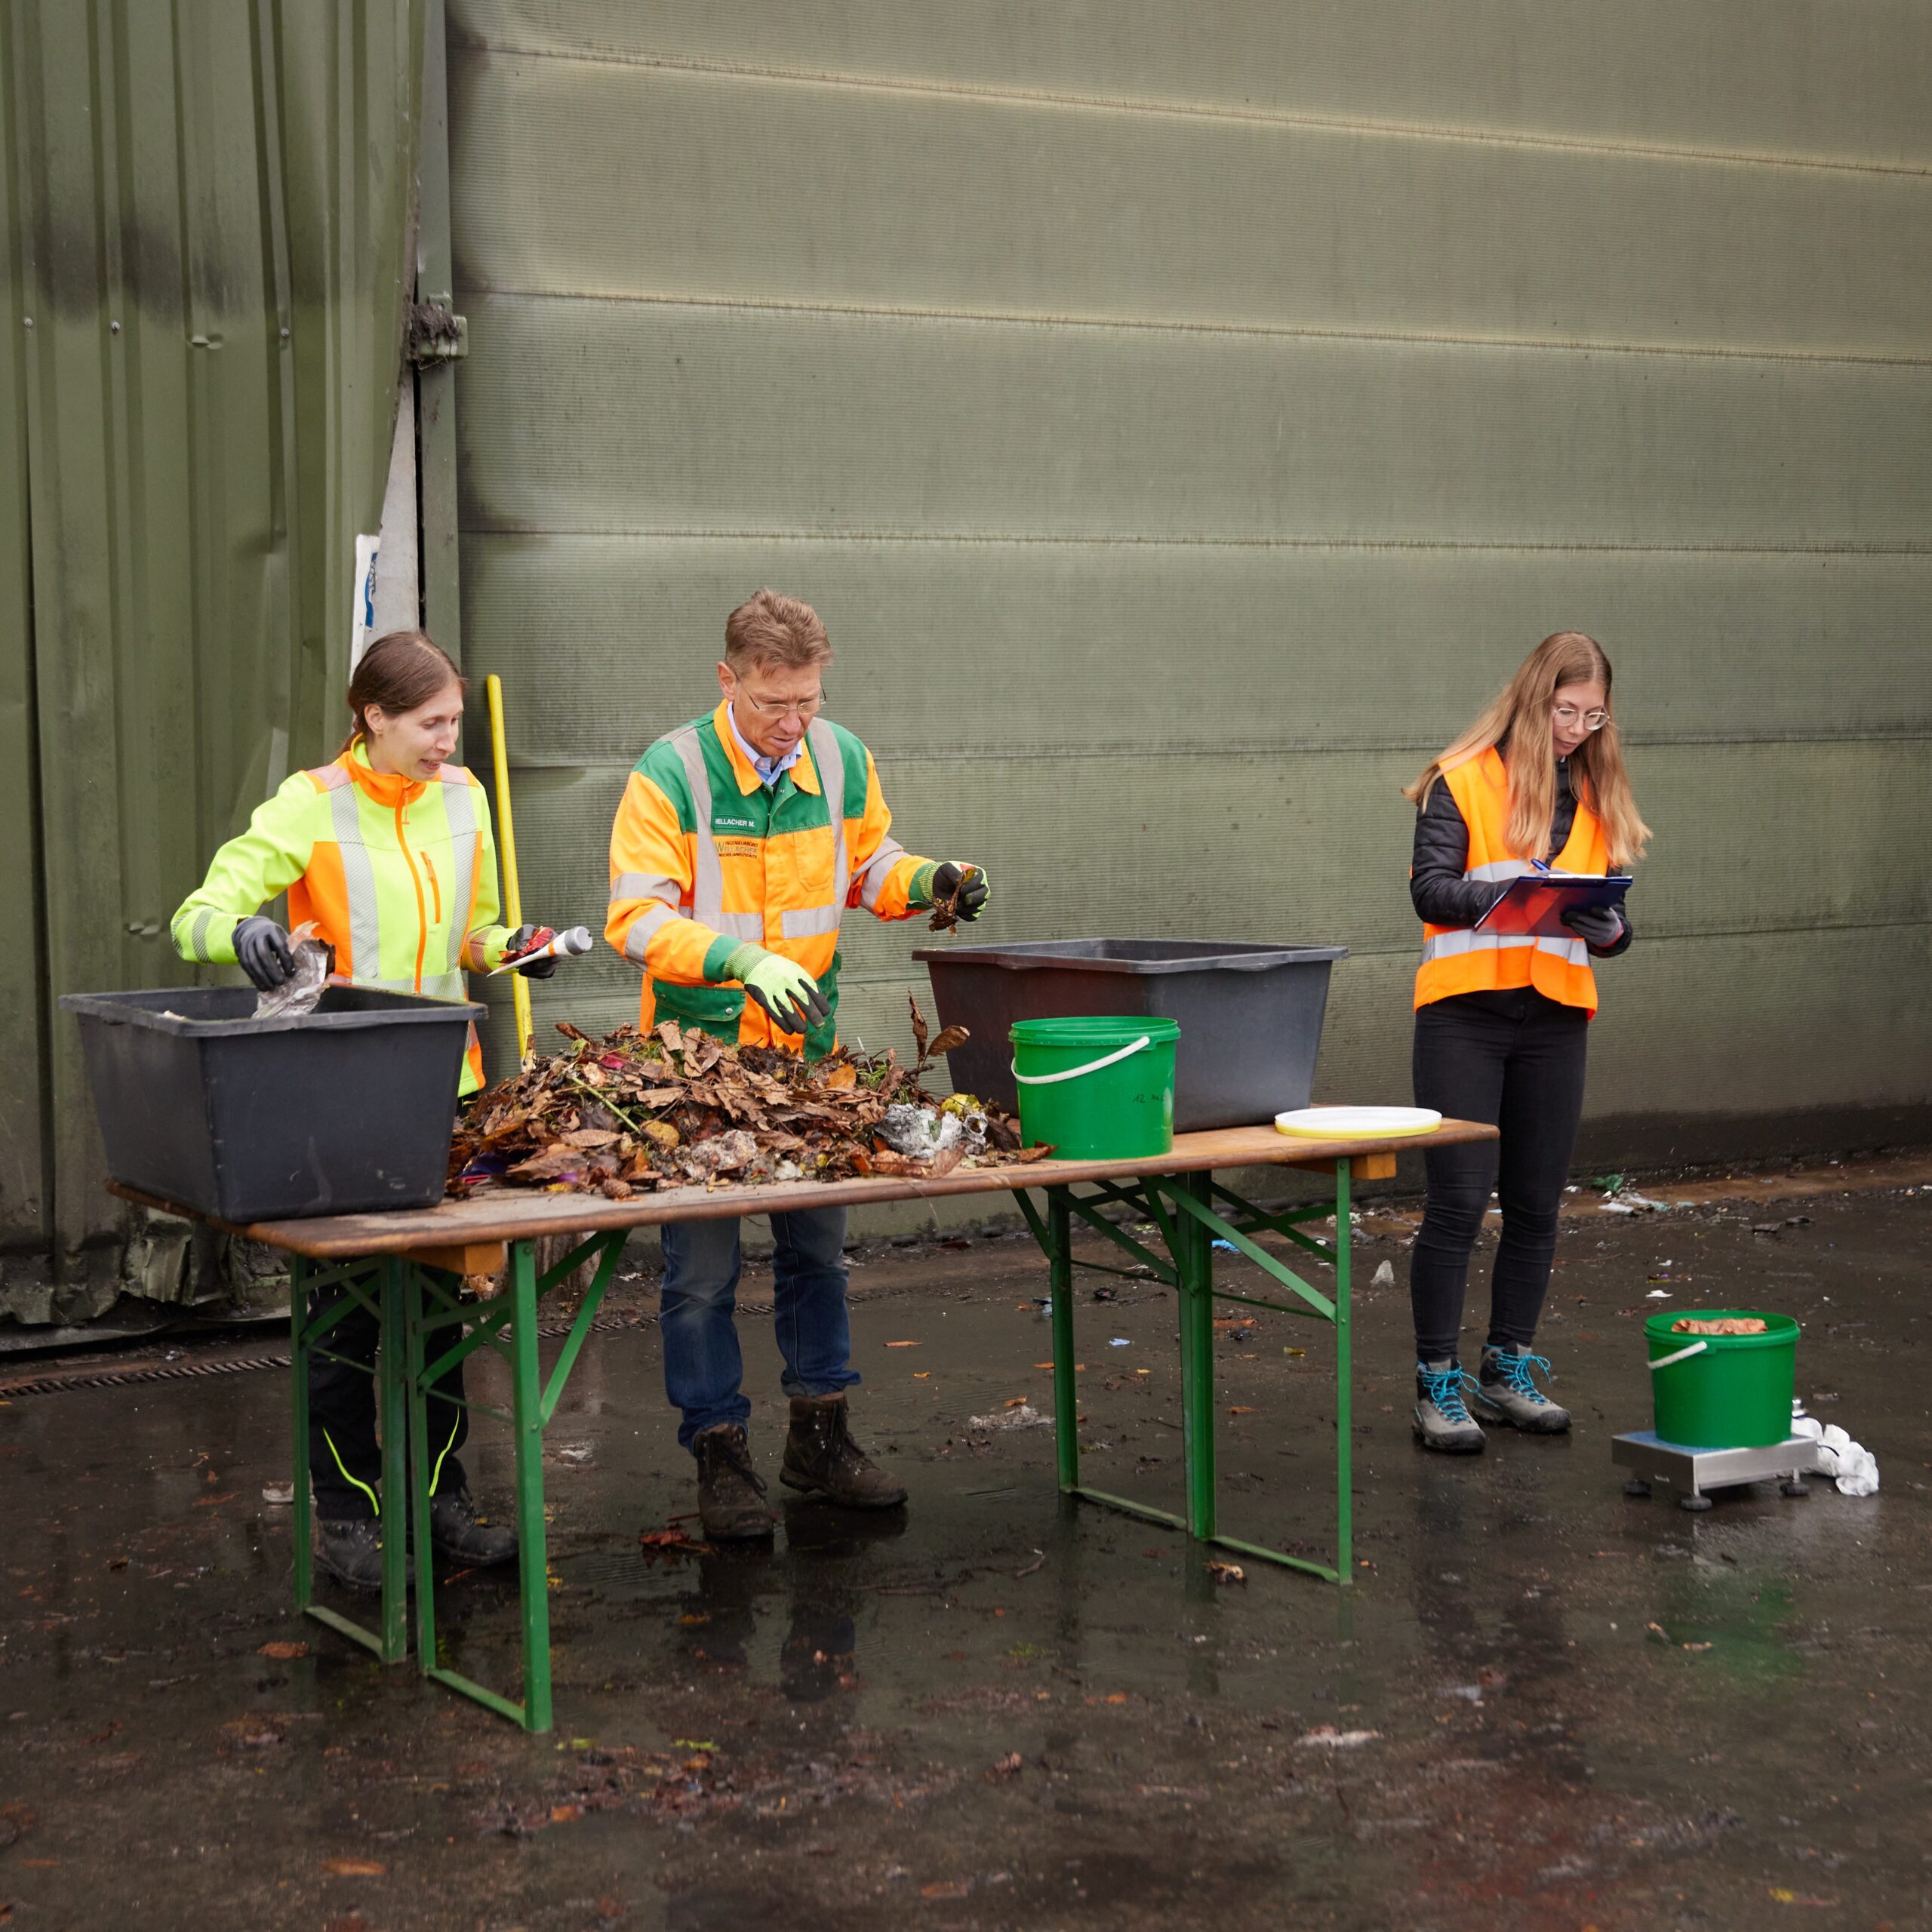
{"x":303,"y":989}
{"x":1850,"y":1464}
{"x":923,"y":1133}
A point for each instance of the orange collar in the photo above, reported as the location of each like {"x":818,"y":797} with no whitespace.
{"x":803,"y":774}
{"x":388,"y":789}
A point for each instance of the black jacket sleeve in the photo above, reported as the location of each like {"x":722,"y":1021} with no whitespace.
{"x":1437,"y":888}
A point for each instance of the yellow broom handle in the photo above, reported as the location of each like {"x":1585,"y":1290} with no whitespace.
{"x":493,"y":686}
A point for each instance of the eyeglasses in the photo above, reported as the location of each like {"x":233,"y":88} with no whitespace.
{"x":806,"y":708}
{"x":1570,"y":717}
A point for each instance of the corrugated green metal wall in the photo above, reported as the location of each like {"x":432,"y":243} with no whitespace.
{"x":208,"y":210}
{"x":1184,"y":415}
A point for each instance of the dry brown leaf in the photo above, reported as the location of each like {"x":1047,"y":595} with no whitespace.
{"x":841,"y":1078}
{"x":354,"y":1868}
{"x":285,"y":1651}
{"x":951,"y":1037}
{"x":919,"y":1029}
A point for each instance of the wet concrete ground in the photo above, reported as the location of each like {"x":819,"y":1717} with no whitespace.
{"x":1543,"y":1703}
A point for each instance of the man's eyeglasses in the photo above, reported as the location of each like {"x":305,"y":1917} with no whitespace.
{"x":808,"y":707}
{"x":1571,"y":719}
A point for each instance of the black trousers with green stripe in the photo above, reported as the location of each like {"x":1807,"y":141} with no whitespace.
{"x":345,"y":1454}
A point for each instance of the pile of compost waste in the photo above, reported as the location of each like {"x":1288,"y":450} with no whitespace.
{"x":636,"y":1112}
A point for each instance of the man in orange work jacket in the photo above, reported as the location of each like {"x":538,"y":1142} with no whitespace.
{"x":742,"y":839}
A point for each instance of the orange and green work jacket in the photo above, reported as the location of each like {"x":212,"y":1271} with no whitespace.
{"x":1464,"y":959}
{"x":704,"y":855}
{"x":399,"y":874}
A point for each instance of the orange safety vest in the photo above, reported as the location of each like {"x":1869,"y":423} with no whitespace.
{"x":1458,"y":959}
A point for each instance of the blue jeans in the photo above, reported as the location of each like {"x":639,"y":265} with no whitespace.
{"x":703,"y":1368}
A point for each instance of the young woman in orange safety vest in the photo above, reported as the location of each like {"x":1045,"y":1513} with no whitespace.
{"x":1502,"y":1020}
{"x":386,"y":851}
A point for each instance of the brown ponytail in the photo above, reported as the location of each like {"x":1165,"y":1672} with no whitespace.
{"x":399,"y":671}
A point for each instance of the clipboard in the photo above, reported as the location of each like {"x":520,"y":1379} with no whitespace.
{"x":1535,"y":903}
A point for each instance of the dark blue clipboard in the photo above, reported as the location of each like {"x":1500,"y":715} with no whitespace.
{"x":1535,"y":903}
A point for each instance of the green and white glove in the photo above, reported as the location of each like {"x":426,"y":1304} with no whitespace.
{"x":786,"y":991}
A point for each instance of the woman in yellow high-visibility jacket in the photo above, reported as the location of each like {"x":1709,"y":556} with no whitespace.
{"x":387,"y":851}
{"x":1502,"y":1020}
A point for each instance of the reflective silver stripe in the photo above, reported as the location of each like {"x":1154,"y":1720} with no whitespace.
{"x":459,"y":806}
{"x":808,"y":922}
{"x":439,"y":986}
{"x":1501,"y":868}
{"x":877,"y":870}
{"x":708,"y":880}
{"x":198,"y":936}
{"x":358,"y":874}
{"x":708,"y":883}
{"x":403,"y":985}
{"x":472,"y":949}
{"x":1454,"y":945}
{"x":651,"y":921}
{"x":830,"y":762}
{"x":646,"y":885}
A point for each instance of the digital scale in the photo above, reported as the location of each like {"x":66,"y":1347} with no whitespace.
{"x":1691,"y":1472}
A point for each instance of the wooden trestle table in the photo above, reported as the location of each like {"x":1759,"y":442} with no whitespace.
{"x":407,"y":1269}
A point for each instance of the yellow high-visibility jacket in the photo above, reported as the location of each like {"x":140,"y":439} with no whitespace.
{"x":399,"y":874}
{"x":704,"y":855}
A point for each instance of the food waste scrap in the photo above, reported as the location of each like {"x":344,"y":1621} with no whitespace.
{"x":636,"y":1112}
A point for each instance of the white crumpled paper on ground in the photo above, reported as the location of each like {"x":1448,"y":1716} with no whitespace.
{"x":1850,"y":1464}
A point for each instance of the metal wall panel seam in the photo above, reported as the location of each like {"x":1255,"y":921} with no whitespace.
{"x":1108,"y":104}
{"x":505,"y":527}
{"x":1265,"y":331}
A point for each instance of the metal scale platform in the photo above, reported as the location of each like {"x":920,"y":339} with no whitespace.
{"x":1691,"y":1472}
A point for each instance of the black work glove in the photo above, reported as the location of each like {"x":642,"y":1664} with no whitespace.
{"x":972,"y":901}
{"x":261,"y":950}
{"x":1599,"y":926}
{"x":521,"y":940}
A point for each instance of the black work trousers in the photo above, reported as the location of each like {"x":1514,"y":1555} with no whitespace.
{"x":345,"y":1452}
{"x":1515,"y":1060}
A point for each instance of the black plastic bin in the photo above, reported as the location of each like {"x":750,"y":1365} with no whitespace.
{"x":1249,"y":1016}
{"x":350,"y":1108}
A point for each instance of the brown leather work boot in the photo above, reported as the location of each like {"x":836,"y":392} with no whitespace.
{"x":822,"y":1459}
{"x":730,"y":1492}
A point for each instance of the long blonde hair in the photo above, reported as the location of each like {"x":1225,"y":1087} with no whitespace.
{"x":1518,"y":722}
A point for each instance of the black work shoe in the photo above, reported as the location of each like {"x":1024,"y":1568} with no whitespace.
{"x":350,"y":1549}
{"x":457,"y":1531}
{"x":730,"y":1492}
{"x":822,"y":1459}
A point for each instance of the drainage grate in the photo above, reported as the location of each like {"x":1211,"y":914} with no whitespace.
{"x":59,"y":1381}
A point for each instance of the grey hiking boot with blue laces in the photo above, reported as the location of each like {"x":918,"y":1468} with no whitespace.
{"x":1508,"y":1391}
{"x":1442,"y":1419}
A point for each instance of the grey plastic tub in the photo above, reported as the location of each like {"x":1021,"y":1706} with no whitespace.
{"x":1250,"y":1015}
{"x":348,"y":1109}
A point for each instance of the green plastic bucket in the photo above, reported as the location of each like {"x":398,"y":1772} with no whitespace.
{"x":1734,"y":1391}
{"x":1096,"y":1089}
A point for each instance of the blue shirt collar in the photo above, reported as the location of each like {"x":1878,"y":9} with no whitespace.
{"x":770,"y":770}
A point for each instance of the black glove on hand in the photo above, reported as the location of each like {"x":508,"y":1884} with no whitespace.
{"x":1599,"y":926}
{"x":528,"y":936}
{"x":261,"y":950}
{"x":946,"y":883}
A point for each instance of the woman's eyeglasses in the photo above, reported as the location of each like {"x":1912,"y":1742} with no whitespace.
{"x":1571,"y":719}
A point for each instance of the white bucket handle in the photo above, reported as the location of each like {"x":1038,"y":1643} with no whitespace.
{"x":1682,"y":1354}
{"x":1074,"y":1072}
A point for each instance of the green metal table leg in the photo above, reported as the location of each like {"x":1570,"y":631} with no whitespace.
{"x":420,"y":1462}
{"x":1066,"y":1397}
{"x":1344,"y":1388}
{"x":393,"y":1377}
{"x":301,"y":1501}
{"x":528,"y":1409}
{"x":1196,"y":1264}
